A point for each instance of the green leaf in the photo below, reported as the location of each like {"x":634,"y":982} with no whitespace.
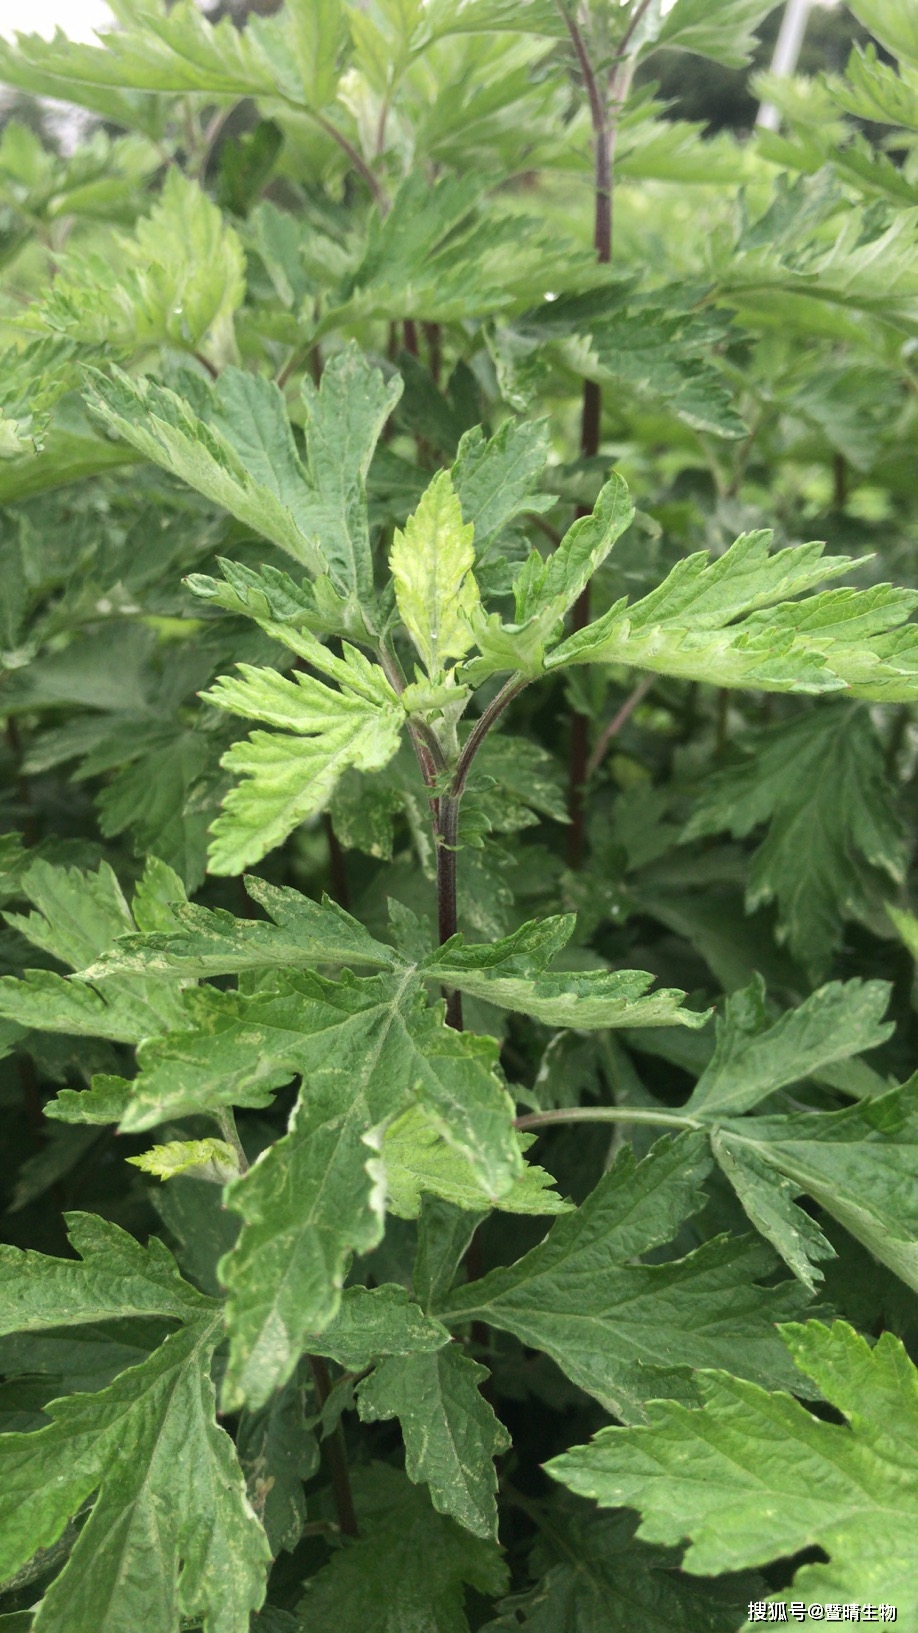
{"x":166,"y":430}
{"x":497,"y":478}
{"x":753,"y":1477}
{"x":233,"y":443}
{"x":598,"y":1579}
{"x":113,"y":1277}
{"x":147,"y":1446}
{"x":444,"y":1234}
{"x":378,"y":1321}
{"x":176,"y":49}
{"x":767,"y":1199}
{"x":725,"y":623}
{"x":752,"y":1058}
{"x":451,"y":1434}
{"x":367,"y":1048}
{"x":893,"y":23}
{"x":727,"y":36}
{"x":79,"y":915}
{"x":604,"y":1319}
{"x":106,"y":1101}
{"x":873,"y":90}
{"x":177,"y":281}
{"x":408,"y":1568}
{"x":821,"y":784}
{"x":667,"y":355}
{"x":435,"y":588}
{"x":292,"y":777}
{"x":860,"y":1164}
{"x":344,"y":419}
{"x":277,"y":1453}
{"x":547,"y":589}
{"x":195,"y":941}
{"x":511,"y":973}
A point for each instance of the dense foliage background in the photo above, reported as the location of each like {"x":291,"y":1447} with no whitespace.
{"x":346,"y":1202}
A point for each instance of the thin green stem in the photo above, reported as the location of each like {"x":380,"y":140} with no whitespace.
{"x":226,"y":1121}
{"x":482,"y":726}
{"x":607,"y":1114}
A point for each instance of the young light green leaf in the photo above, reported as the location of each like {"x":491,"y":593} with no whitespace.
{"x":546,"y":588}
{"x":210,"y":1159}
{"x":435,"y":588}
{"x":752,"y":1058}
{"x":374,"y":1322}
{"x":689,"y":1312}
{"x":821,"y":784}
{"x":907,"y":926}
{"x":451,"y":1434}
{"x":292,"y":777}
{"x":893,"y":23}
{"x":767,"y":1199}
{"x":408,"y":1568}
{"x":417,"y":1161}
{"x":725,"y":623}
{"x":753,"y":1477}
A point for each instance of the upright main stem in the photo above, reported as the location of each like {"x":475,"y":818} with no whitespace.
{"x":591,"y":413}
{"x":606,"y":103}
{"x":447,"y":899}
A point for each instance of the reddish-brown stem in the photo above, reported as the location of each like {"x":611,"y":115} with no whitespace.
{"x":615,"y":725}
{"x":335,"y":1454}
{"x":357,"y":160}
{"x":447,"y":897}
{"x":337,"y":866}
{"x":410,"y":332}
{"x":29,"y":823}
{"x":434,"y":353}
{"x":605,"y":113}
{"x":205,"y":363}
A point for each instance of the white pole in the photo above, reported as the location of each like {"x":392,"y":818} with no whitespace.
{"x":787,"y":52}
